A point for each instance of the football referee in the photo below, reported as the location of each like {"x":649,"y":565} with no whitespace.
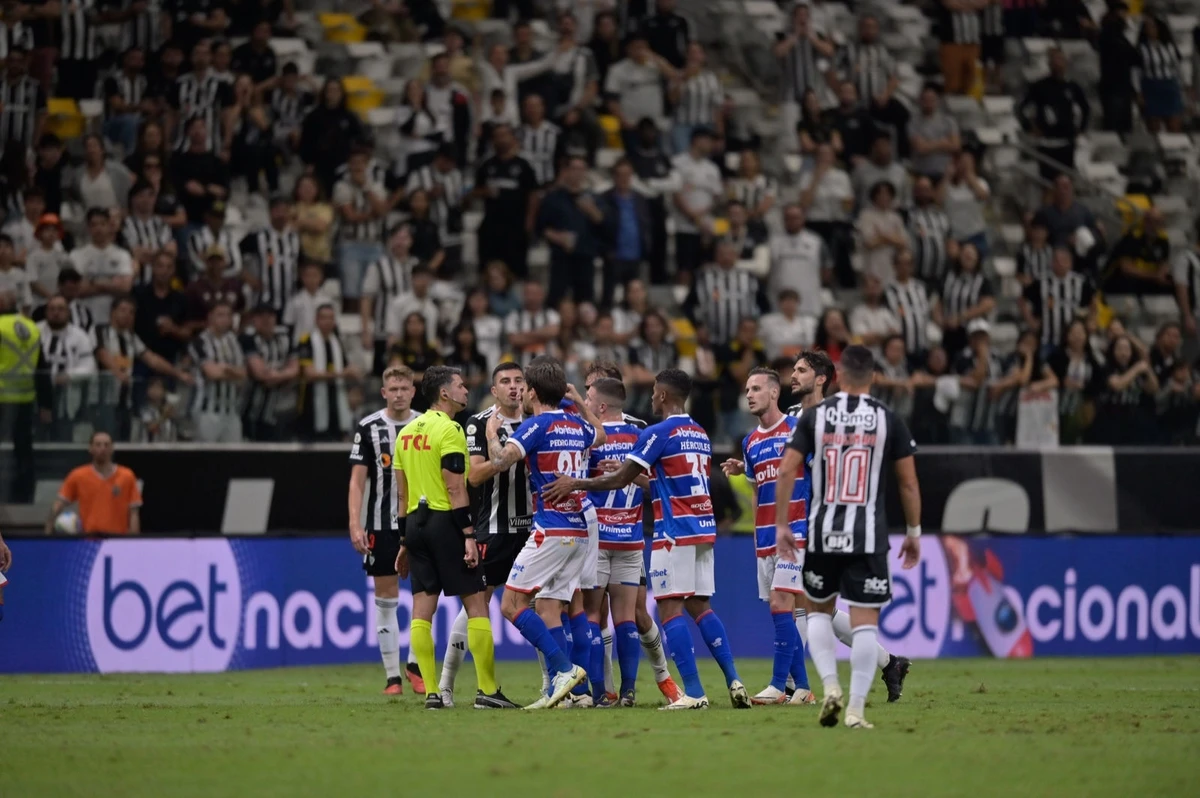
{"x":438,"y":536}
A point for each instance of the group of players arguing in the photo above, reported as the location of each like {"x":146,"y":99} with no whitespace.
{"x":544,"y":492}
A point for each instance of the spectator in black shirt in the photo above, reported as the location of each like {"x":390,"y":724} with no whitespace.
{"x":1068,"y":19}
{"x":328,"y":132}
{"x":571,"y":219}
{"x":166,"y":70}
{"x":1124,"y":414}
{"x":605,"y":44}
{"x":196,"y":20}
{"x":1118,"y":58}
{"x":508,"y":187}
{"x":1165,"y":354}
{"x":256,"y":58}
{"x":650,"y":163}
{"x":1055,"y":110}
{"x":667,"y":33}
{"x":736,"y":360}
{"x":426,"y":240}
{"x":854,"y":126}
{"x":50,"y":170}
{"x":161,"y":310}
{"x":127,"y":100}
{"x":200,"y":177}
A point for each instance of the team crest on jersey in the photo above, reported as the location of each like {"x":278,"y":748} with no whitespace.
{"x":358,"y":437}
{"x":471,"y":428}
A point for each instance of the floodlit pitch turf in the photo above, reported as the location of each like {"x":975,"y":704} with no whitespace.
{"x":968,"y":727}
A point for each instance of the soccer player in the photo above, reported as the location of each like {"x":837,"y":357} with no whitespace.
{"x":648,"y":633}
{"x":849,"y":438}
{"x":377,"y":537}
{"x":551,"y":565}
{"x":778,"y":580}
{"x":503,"y":506}
{"x":678,"y":453}
{"x":437,"y":533}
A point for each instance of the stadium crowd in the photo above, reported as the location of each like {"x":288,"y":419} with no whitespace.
{"x":235,"y":253}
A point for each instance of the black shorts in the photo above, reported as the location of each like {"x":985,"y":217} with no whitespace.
{"x":499,"y":552}
{"x":384,"y":547}
{"x":435,"y":556}
{"x":991,"y":51}
{"x":862,"y":580}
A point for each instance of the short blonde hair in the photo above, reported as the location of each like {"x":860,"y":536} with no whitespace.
{"x":399,"y":373}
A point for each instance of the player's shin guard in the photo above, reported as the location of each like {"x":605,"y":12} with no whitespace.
{"x":581,"y":649}
{"x":798,"y":671}
{"x":627,"y":654}
{"x":717,"y":641}
{"x":607,"y":638}
{"x":533,"y":629}
{"x":456,"y":650}
{"x":596,"y":662}
{"x":785,"y":649}
{"x":684,"y":656}
{"x":421,"y":634}
{"x":479,"y":639}
{"x":822,"y":647}
{"x":652,"y":644}
{"x":863,"y":661}
{"x":388,"y":631}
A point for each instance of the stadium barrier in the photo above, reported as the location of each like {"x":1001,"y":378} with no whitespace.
{"x":212,"y":604}
{"x":292,"y":488}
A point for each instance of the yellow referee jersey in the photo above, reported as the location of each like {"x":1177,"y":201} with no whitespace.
{"x":420,"y":446}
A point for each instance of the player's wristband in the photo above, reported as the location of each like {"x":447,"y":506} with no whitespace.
{"x":401,"y":525}
{"x":462,"y":518}
{"x":914,"y":531}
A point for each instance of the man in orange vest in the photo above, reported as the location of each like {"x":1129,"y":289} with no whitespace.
{"x":108,"y":495}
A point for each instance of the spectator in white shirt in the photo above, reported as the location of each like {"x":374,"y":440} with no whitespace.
{"x":800,"y":261}
{"x":827,"y":197}
{"x":694,"y":203}
{"x":963,"y":194}
{"x":107,"y":269}
{"x":300,"y":315}
{"x":872,"y":321}
{"x":787,"y":332}
{"x":419,"y":299}
{"x":13,"y":279}
{"x":882,"y":231}
{"x":634,"y":88}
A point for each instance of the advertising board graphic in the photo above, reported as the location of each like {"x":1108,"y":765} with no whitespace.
{"x":213,"y":604}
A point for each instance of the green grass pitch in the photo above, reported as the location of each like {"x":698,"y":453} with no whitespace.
{"x":1052,"y":727}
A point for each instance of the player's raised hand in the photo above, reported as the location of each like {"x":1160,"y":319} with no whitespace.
{"x":910,"y":552}
{"x":785,"y":543}
{"x":402,"y":563}
{"x":733,"y":467}
{"x":559,"y":490}
{"x":471,"y":556}
{"x":573,"y":395}
{"x":493,"y":425}
{"x":358,"y":539}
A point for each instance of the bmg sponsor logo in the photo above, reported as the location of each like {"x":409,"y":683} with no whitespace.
{"x":164,"y":605}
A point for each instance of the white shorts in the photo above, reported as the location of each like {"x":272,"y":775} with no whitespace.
{"x":618,"y":567}
{"x":588,"y":579}
{"x":682,"y":571}
{"x":551,"y":568}
{"x":776,"y":573}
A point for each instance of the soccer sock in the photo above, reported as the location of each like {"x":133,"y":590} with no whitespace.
{"x":685,"y":658}
{"x":456,"y":650}
{"x":483,"y":651}
{"x":567,"y":630}
{"x":581,"y":649}
{"x":652,"y":644}
{"x":785,"y":646}
{"x":882,"y":655}
{"x":421,"y":634}
{"x":389,"y":635}
{"x":841,"y":627}
{"x":596,"y":667}
{"x":798,"y":671}
{"x":863,"y":658}
{"x":545,"y":672}
{"x":822,"y":647}
{"x":607,"y":638}
{"x":627,"y":654}
{"x":533,"y":629}
{"x":717,"y":641}
{"x":802,"y":626}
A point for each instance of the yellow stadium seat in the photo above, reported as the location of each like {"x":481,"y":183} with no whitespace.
{"x":612,"y":132}
{"x":342,"y":28}
{"x":685,"y":337}
{"x":362,"y":95}
{"x":720,"y":227}
{"x":471,"y":10}
{"x":63,"y":118}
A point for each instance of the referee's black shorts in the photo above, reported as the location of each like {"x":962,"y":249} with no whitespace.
{"x":435,"y":556}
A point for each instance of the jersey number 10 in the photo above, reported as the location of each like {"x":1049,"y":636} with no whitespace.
{"x":846,"y":474}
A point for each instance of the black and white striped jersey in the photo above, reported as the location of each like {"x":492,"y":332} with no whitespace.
{"x":961,"y":292}
{"x":541,"y":147}
{"x":349,"y":193}
{"x":203,"y":238}
{"x":81,"y":316}
{"x":275,"y":257}
{"x":289,"y":109}
{"x":386,"y":279}
{"x":1057,"y":301}
{"x":21,"y":101}
{"x":373,"y":446}
{"x":124,"y":346}
{"x":802,"y":70}
{"x":975,"y":409}
{"x":1186,"y":272}
{"x":15,"y":34}
{"x":69,"y":350}
{"x":753,"y":191}
{"x":991,"y":20}
{"x":205,"y":96}
{"x":78,"y":19}
{"x":929,"y":227}
{"x":377,"y":172}
{"x":223,"y":397}
{"x":852,"y":439}
{"x":523,"y":321}
{"x":275,"y":351}
{"x":795,"y":411}
{"x":149,"y":233}
{"x":145,"y":29}
{"x":131,"y":89}
{"x":503,"y":504}
{"x":910,"y":302}
{"x":1158,"y":61}
{"x":959,"y":27}
{"x":446,"y":210}
{"x":1034,"y":262}
{"x":653,"y":358}
{"x":700,"y":97}
{"x":869,"y":66}
{"x":723,"y":297}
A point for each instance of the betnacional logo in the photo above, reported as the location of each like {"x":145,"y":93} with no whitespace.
{"x":915,"y":623}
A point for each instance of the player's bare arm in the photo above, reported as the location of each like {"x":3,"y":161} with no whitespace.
{"x":785,"y":539}
{"x":401,"y":482}
{"x":623,"y":477}
{"x":482,"y":471}
{"x":358,"y":483}
{"x":910,"y":499}
{"x":586,"y":415}
{"x":501,"y":456}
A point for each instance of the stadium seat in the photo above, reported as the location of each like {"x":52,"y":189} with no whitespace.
{"x":343,"y":28}
{"x":63,"y":118}
{"x":1005,"y":335}
{"x":612,"y":132}
{"x":1005,"y":266}
{"x":607,"y":157}
{"x":1160,"y":309}
{"x":361,"y":94}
